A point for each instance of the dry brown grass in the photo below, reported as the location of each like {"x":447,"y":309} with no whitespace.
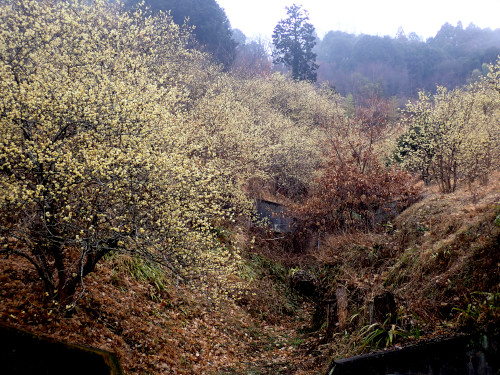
{"x":450,"y":249}
{"x":433,"y":257}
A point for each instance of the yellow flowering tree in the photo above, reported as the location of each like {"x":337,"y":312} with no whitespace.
{"x":93,"y":155}
{"x":265,"y":131}
{"x":453,"y":136}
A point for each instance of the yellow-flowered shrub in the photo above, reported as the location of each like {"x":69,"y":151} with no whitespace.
{"x":268,"y":129}
{"x":93,"y":151}
{"x":454,"y":135}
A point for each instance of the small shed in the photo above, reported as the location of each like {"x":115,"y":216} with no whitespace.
{"x":275,"y":215}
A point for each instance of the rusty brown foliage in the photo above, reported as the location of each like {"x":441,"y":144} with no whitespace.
{"x":351,"y":193}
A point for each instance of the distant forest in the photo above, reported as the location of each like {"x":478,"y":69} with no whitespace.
{"x":401,"y":66}
{"x":361,"y":65}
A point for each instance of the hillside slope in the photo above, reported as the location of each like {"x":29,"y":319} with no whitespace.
{"x":435,"y":269}
{"x":439,"y":259}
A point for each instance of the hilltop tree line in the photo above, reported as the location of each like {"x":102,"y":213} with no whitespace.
{"x":361,"y":65}
{"x":293,"y":38}
{"x":404,"y":65}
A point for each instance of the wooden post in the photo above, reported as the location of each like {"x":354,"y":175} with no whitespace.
{"x":331,"y":315}
{"x":342,"y":306}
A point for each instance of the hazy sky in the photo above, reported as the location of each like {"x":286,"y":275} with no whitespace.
{"x":375,"y":17}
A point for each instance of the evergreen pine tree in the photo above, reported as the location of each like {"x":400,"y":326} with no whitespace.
{"x":294,"y":39}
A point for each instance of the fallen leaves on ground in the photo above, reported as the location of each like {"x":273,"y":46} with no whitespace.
{"x":173,"y":331}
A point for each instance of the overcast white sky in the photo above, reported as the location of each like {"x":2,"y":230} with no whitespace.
{"x":375,"y":17}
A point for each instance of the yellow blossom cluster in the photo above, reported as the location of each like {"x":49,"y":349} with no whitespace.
{"x":266,"y":130}
{"x":93,"y":152}
{"x":454,"y":135}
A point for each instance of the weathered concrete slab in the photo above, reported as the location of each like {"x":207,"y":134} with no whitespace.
{"x":22,"y":352}
{"x":460,"y":355}
{"x":275,"y":215}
